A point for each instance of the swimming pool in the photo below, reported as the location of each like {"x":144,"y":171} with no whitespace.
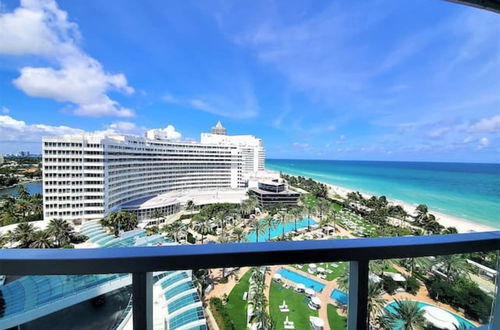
{"x":298,"y":278}
{"x":278,"y":230}
{"x":463,"y":322}
{"x":339,"y":296}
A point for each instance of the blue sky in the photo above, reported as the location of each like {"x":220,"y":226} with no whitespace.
{"x":375,"y":80}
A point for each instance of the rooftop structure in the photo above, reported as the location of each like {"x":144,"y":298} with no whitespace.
{"x":274,"y":191}
{"x":219,"y":129}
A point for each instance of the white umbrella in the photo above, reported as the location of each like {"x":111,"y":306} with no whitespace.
{"x":321,"y":269}
{"x":316,"y":301}
{"x":317,"y":322}
{"x":277,"y":276}
{"x":440,"y":318}
{"x":310,"y":292}
{"x":398,"y":277}
{"x":301,"y":286}
{"x":312,"y":266}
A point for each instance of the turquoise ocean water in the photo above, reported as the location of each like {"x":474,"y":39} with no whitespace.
{"x":468,"y":191}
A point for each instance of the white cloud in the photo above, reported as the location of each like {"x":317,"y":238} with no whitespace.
{"x":169,"y":98}
{"x":484,"y":142}
{"x":171,"y":133}
{"x":14,"y":130}
{"x":300,"y":145}
{"x":5,"y":110}
{"x":331,"y":128}
{"x":438,"y":132}
{"x":40,"y":28}
{"x":487,"y":125}
{"x":341,"y":139}
{"x":123,"y":126}
{"x":240,"y":105}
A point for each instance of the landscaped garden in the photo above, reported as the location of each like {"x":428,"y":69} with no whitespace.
{"x":236,"y":306}
{"x":336,"y":321}
{"x":297,"y":303}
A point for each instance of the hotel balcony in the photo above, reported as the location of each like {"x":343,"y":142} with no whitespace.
{"x":146,"y":262}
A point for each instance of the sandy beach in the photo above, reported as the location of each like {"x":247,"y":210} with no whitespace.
{"x":462,"y":225}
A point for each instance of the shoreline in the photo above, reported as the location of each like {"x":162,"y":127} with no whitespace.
{"x":462,"y":225}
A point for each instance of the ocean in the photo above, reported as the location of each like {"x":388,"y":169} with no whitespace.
{"x":464,"y":190}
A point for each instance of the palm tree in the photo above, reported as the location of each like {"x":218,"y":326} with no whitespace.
{"x":23,"y":234}
{"x":22,"y":192}
{"x":282,"y":218}
{"x":375,"y":301}
{"x":322,"y":206}
{"x":421,"y":263}
{"x":259,"y":228}
{"x":248,"y":206}
{"x":295,"y":213}
{"x":157,"y":215}
{"x":203,"y":228}
{"x":41,"y":240}
{"x":36,"y":205}
{"x":269,"y":224}
{"x":407,"y":312}
{"x":332,"y":214}
{"x":239,"y":234}
{"x":61,"y":231}
{"x":121,"y":220}
{"x":379,"y":266}
{"x":343,"y":280}
{"x":385,"y":322}
{"x":22,"y":207}
{"x":453,"y":265}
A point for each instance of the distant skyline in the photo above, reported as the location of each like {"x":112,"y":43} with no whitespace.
{"x":365,"y":80}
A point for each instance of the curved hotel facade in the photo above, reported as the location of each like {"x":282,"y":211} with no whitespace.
{"x":88,"y":176}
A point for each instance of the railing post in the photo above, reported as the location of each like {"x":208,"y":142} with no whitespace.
{"x":142,"y":294}
{"x":357,"y":309}
{"x":495,"y":313}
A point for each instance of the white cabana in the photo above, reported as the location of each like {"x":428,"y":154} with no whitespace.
{"x":316,"y":301}
{"x":440,"y":318}
{"x":277,"y":277}
{"x":374,"y":278}
{"x":328,"y":230}
{"x":321,"y":269}
{"x":312,"y":266}
{"x":300,"y":287}
{"x":316,"y":323}
{"x":310,"y":292}
{"x":396,"y":277}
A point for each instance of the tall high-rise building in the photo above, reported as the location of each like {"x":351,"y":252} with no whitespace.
{"x":88,"y":176}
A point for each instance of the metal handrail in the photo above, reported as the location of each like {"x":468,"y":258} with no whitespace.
{"x":142,"y":261}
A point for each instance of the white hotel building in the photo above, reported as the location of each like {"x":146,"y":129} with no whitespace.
{"x":88,"y":176}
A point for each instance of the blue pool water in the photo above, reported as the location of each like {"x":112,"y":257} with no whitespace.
{"x":469,"y":191}
{"x":339,"y":296}
{"x":298,"y":278}
{"x":463,"y":322}
{"x":278,"y":230}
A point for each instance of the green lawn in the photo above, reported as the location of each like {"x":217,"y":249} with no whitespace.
{"x":336,"y":272}
{"x":336,"y":321}
{"x":297,"y":303}
{"x":390,"y":268}
{"x":236,"y":306}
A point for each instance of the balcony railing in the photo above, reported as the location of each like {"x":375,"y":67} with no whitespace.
{"x":142,"y":261}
